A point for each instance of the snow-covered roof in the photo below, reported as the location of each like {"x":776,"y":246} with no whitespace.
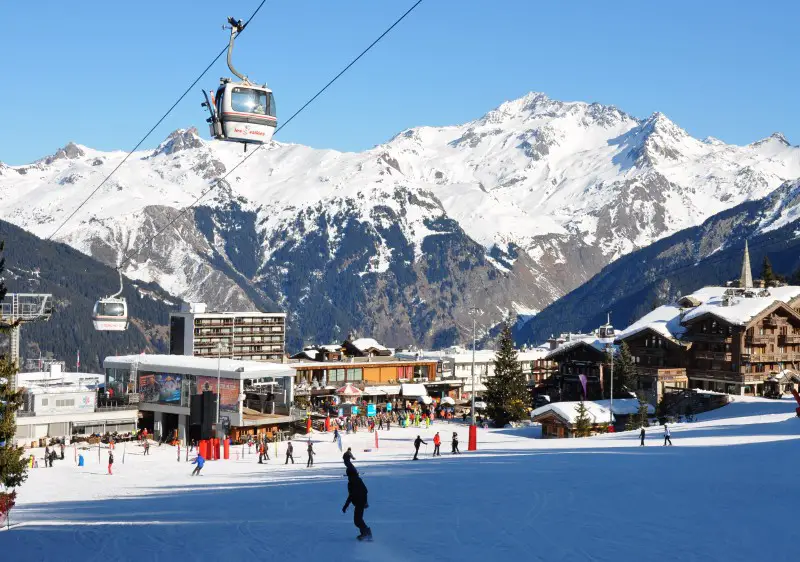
{"x":664,"y":320}
{"x":413,"y":390}
{"x":568,"y":411}
{"x":364,"y":344}
{"x":479,"y":387}
{"x":600,"y":344}
{"x":741,"y":309}
{"x":625,"y":406}
{"x":331,"y":347}
{"x":189,"y":365}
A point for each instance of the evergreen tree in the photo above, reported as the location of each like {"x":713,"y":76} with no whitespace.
{"x":767,"y":275}
{"x":507,"y":393}
{"x":583,"y":423}
{"x":643,"y":413}
{"x":625,"y":374}
{"x":12,"y":467}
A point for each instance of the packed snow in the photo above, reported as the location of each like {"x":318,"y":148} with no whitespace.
{"x":518,"y":497}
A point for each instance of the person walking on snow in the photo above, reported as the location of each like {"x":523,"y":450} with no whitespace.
{"x":357,"y":495}
{"x":417,"y":442}
{"x":641,"y":437}
{"x":261,"y":453}
{"x":289,"y":450}
{"x":199,"y":461}
{"x":667,"y":436}
{"x":110,"y":460}
{"x":437,"y":441}
{"x":310,"y":454}
{"x":335,"y":434}
{"x":455,"y":444}
{"x":146,"y":447}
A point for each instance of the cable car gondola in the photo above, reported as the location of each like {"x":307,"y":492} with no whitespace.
{"x":240,"y":111}
{"x":110,"y":314}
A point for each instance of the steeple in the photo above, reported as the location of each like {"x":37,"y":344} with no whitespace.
{"x":746,"y":280}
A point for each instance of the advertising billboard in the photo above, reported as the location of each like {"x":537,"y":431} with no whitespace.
{"x":165,"y":388}
{"x":371,"y":410}
{"x":229,"y":389}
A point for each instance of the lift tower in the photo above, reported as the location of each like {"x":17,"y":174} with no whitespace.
{"x":19,"y":308}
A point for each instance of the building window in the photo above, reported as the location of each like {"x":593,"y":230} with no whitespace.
{"x":44,"y":401}
{"x":355,"y":374}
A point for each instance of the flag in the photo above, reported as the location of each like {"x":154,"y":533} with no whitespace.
{"x":79,"y":360}
{"x":339,"y":442}
{"x":582,"y":378}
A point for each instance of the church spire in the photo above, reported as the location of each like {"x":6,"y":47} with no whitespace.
{"x":746,"y":280}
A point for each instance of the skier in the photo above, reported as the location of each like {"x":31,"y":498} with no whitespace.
{"x":357,"y":495}
{"x":199,"y":461}
{"x":46,"y":455}
{"x":437,"y":441}
{"x":289,"y":450}
{"x":380,"y":422}
{"x":667,"y":436}
{"x":641,"y":437}
{"x":110,"y":461}
{"x":455,"y":444}
{"x":62,"y":450}
{"x":417,"y":442}
{"x":261,"y":454}
{"x":335,"y":434}
{"x":348,"y":457}
{"x":146,"y":447}
{"x":310,"y":454}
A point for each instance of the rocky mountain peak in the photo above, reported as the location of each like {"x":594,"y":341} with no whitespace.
{"x":70,"y":151}
{"x":178,"y":140}
{"x":775,"y":138}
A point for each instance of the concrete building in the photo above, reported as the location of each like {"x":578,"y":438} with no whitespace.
{"x":59,"y":404}
{"x":255,"y":395}
{"x":253,"y":336}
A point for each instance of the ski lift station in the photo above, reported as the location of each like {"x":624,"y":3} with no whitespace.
{"x":254,"y":395}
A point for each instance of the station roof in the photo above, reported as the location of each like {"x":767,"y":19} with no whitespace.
{"x":204,"y":366}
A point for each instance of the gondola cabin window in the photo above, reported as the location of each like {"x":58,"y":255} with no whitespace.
{"x":248,"y":100}
{"x":110,"y":309}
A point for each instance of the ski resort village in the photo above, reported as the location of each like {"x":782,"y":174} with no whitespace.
{"x":417,"y":310}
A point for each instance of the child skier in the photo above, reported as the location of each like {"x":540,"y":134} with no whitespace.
{"x":357,"y":495}
{"x":199,"y":461}
{"x":667,"y":436}
{"x":437,"y":441}
{"x":110,"y":460}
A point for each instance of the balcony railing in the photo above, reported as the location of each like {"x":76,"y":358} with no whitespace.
{"x":758,"y":339}
{"x":716,"y":338}
{"x":727,"y":376}
{"x":713,"y":355}
{"x":662,"y":373}
{"x":790,"y":338}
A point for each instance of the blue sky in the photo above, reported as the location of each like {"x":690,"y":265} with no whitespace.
{"x":101,"y":73}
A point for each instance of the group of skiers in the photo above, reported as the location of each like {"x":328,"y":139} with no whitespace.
{"x":667,"y":436}
{"x":50,"y":454}
{"x":437,"y":442}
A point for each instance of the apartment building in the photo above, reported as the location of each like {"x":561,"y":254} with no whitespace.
{"x":251,"y":336}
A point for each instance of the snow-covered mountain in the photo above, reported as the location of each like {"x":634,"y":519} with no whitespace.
{"x":505,"y":213}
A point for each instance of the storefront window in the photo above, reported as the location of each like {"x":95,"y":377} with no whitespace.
{"x":355,"y":374}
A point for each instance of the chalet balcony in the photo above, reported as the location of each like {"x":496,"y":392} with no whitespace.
{"x":726,"y":376}
{"x":771,"y":357}
{"x":652,"y":351}
{"x":758,"y":340}
{"x":770,"y":321}
{"x":714,"y":355}
{"x":662,"y":373}
{"x":790,"y":338}
{"x":712,"y":338}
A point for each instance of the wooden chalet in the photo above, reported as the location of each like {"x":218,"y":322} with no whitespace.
{"x":583,"y":355}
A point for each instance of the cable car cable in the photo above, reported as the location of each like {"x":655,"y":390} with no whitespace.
{"x":183,"y":211}
{"x":153,"y":128}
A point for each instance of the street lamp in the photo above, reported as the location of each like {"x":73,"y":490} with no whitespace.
{"x":473,"y":434}
{"x":611,"y":394}
{"x":219,"y":349}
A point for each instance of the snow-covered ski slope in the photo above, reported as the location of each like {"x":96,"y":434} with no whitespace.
{"x":724,"y":491}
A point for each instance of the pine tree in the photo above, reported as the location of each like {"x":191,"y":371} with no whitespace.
{"x":583,"y":423}
{"x":13,"y":469}
{"x":507,"y":393}
{"x":625,"y":374}
{"x":767,"y":275}
{"x":643,"y":414}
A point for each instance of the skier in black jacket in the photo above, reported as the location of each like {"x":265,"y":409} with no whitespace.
{"x":417,"y":442}
{"x":357,"y":495}
{"x":310,"y":454}
{"x":455,"y":444}
{"x":348,"y":457}
{"x":289,"y":450}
